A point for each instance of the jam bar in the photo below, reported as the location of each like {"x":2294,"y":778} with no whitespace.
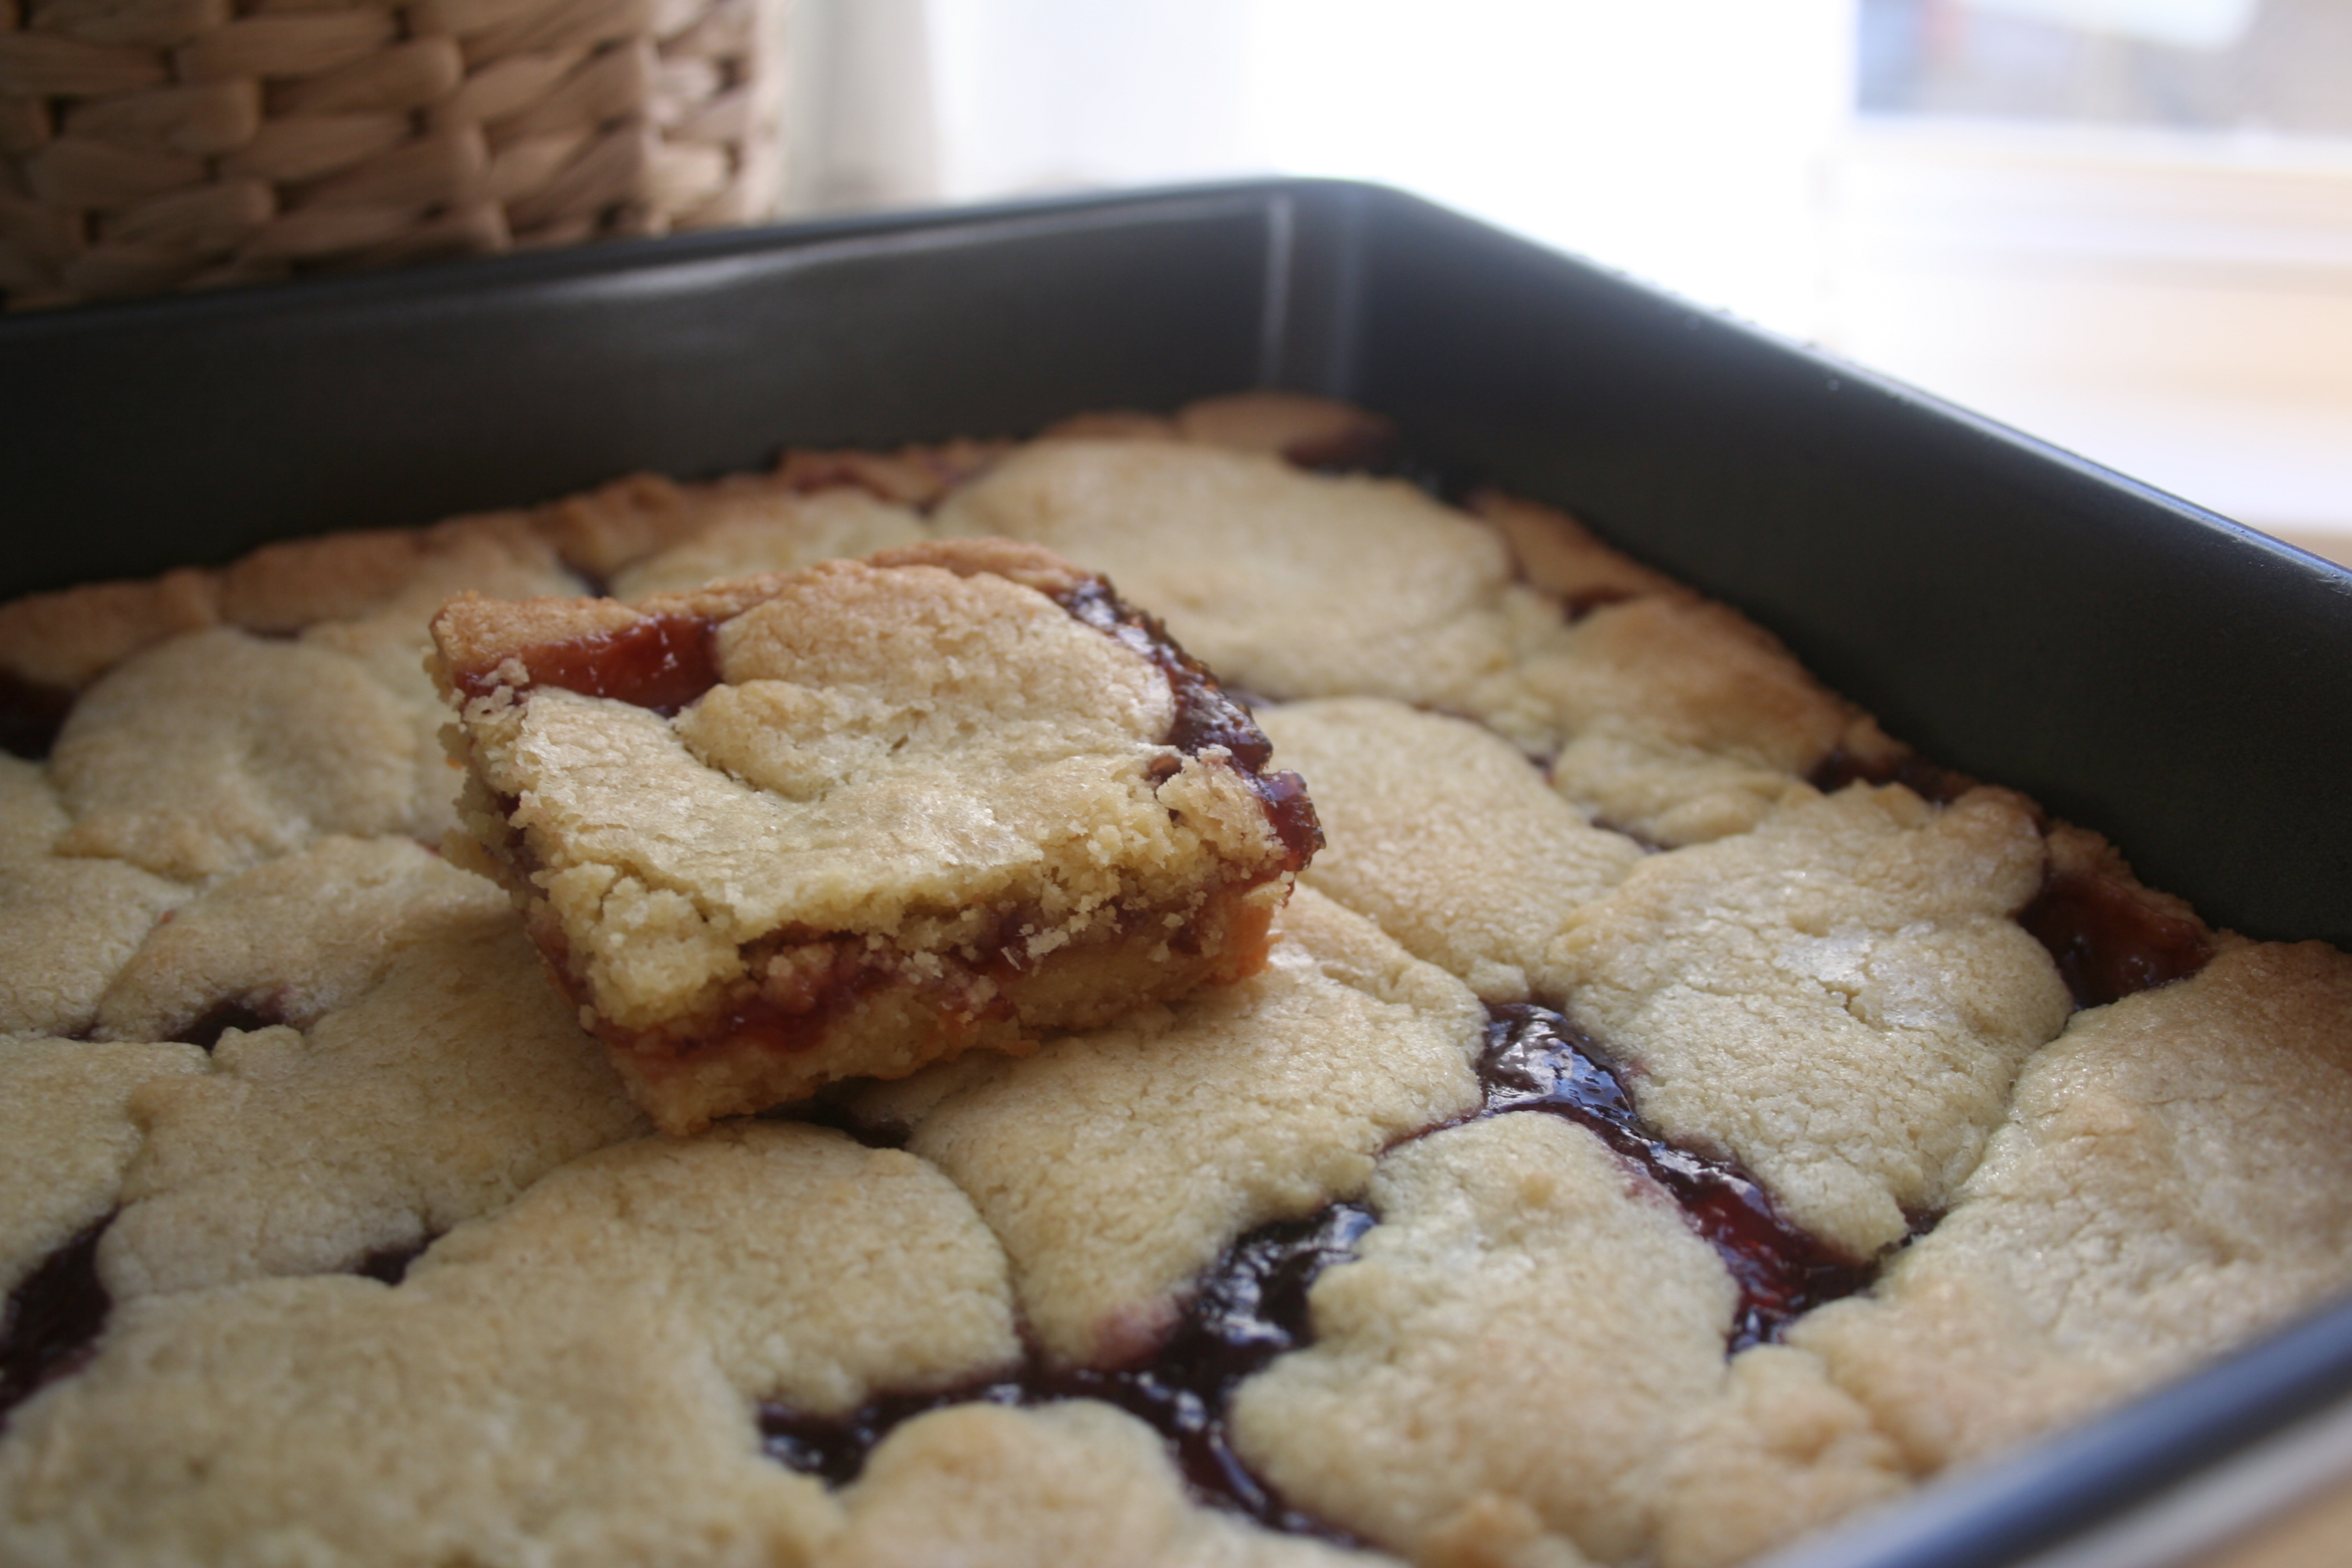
{"x":1668,"y":1117}
{"x":789,"y":829}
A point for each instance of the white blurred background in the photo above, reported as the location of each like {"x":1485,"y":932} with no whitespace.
{"x":2124,"y":225}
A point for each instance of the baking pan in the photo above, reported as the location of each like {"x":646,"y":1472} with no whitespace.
{"x":2141,"y":666}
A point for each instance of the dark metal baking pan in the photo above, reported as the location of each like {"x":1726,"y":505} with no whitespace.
{"x":2139,"y":665}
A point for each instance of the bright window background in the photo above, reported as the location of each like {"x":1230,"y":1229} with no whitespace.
{"x":2123,"y":225}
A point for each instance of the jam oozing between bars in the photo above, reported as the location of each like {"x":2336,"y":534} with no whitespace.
{"x":31,"y":715}
{"x":52,"y":1319}
{"x":1536,"y":1060}
{"x":1206,"y":715}
{"x":1250,"y":1309}
{"x":1253,"y":1305}
{"x":2107,"y":940}
{"x":51,"y":1323}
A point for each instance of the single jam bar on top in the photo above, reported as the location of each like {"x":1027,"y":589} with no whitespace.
{"x":849,"y":820}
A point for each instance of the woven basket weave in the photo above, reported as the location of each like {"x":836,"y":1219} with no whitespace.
{"x":155,"y":144}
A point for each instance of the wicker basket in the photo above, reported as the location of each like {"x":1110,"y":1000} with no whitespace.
{"x":155,"y":144}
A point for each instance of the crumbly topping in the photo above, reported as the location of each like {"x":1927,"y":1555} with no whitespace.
{"x":1287,"y":585}
{"x":65,"y":1137}
{"x":573,"y":1378}
{"x":1837,"y":999}
{"x":1519,"y":1271}
{"x":66,"y":925}
{"x":1673,"y":679}
{"x":2174,"y":1176}
{"x":292,"y":938}
{"x":215,"y":751}
{"x":439,"y":1095}
{"x":1442,"y":832}
{"x":1117,"y":1164}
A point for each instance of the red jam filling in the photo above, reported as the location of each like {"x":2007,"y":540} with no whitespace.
{"x":1937,"y":785}
{"x":799,"y":1001}
{"x":786,"y":1022}
{"x":1206,"y":715}
{"x":31,"y":714}
{"x":1536,"y":1060}
{"x":2108,"y":942}
{"x":1251,"y":1307}
{"x":661,"y":662}
{"x":52,"y":1319}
